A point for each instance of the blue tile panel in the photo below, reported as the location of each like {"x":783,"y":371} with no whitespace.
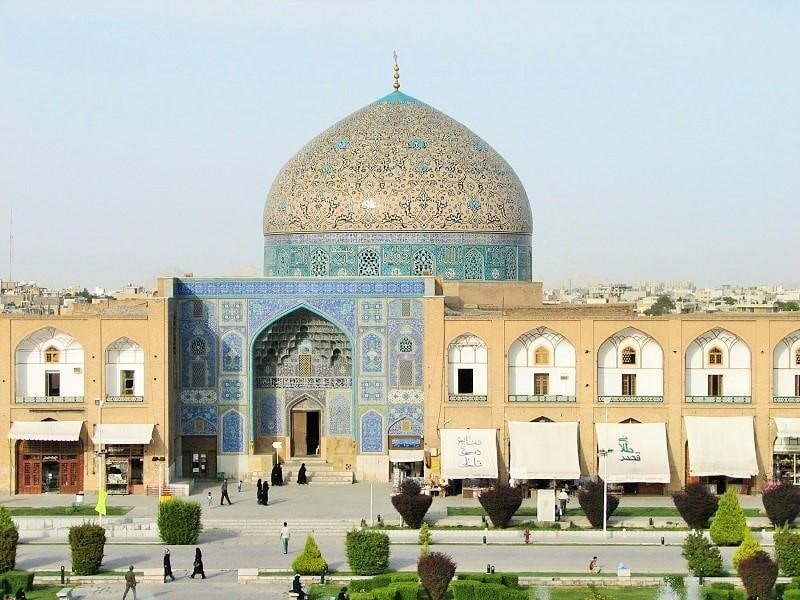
{"x":297,"y":290}
{"x":372,"y":432}
{"x":233,"y":432}
{"x":198,"y":419}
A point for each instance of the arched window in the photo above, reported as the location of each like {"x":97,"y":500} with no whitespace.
{"x":198,"y":346}
{"x":319,"y":262}
{"x":473,"y":264}
{"x":715,"y":356}
{"x":52,"y":355}
{"x":368,"y":263}
{"x":797,"y":357}
{"x":405,"y":345}
{"x":630,"y":421}
{"x":542,"y":420}
{"x":541,"y":356}
{"x":628,"y":356}
{"x":423,"y":262}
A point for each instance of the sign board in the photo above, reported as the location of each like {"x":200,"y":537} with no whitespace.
{"x":469,"y":453}
{"x":546,"y":506}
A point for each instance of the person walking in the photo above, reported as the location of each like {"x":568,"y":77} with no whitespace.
{"x":259,"y":489}
{"x":198,"y":564}
{"x":301,"y":475}
{"x":265,"y":493}
{"x":130,"y":583}
{"x":210,"y":498}
{"x":224,"y":495}
{"x":563,"y":498}
{"x":239,"y":486}
{"x":285,"y":535}
{"x":167,"y":566}
{"x":274,"y":476}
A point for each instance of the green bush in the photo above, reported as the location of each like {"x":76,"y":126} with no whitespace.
{"x":490,"y":591}
{"x":425,"y":537}
{"x":367,"y":551}
{"x":696,"y":504}
{"x":758,"y":573}
{"x":464,"y":589}
{"x":361,"y":596}
{"x":11,"y":581}
{"x":729,"y":524}
{"x":404,"y":578}
{"x":406,"y":590}
{"x":791,"y":594}
{"x":500,"y":503}
{"x":179,"y":522}
{"x":591,"y":500}
{"x":436,"y":570}
{"x":781,"y":502}
{"x":87,"y":542}
{"x":787,"y":552}
{"x":384,"y":593}
{"x":748,"y":547}
{"x":9,"y":538}
{"x":310,"y":561}
{"x":703,"y":559}
{"x":412,"y":507}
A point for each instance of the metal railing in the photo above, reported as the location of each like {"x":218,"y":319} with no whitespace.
{"x":124,"y":399}
{"x":540,"y":398}
{"x":632,"y":399}
{"x":467,"y":398}
{"x":719,"y":399}
{"x":49,"y":400}
{"x":786,"y":399}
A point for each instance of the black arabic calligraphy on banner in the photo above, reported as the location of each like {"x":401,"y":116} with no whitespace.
{"x":469,"y":451}
{"x":626,"y":452}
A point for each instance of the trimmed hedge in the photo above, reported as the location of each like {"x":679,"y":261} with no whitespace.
{"x":747,"y":548}
{"x":411,"y":503}
{"x":696,"y":504}
{"x":406,"y":590}
{"x":791,"y":594}
{"x":436,"y":570}
{"x":729,"y":524}
{"x":11,"y":581}
{"x":179,"y":522}
{"x":500,"y":503}
{"x":87,"y":542}
{"x":781,"y":502}
{"x":367,"y":551}
{"x":464,"y":589}
{"x":787,"y":551}
{"x":310,"y":561}
{"x":703,"y":559}
{"x":9,"y":538}
{"x":758,"y":573}
{"x":591,"y":500}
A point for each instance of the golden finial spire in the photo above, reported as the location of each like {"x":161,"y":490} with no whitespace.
{"x":396,"y":74}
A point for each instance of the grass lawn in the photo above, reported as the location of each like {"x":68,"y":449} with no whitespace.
{"x":624,"y":511}
{"x":44,"y":592}
{"x":66,"y":511}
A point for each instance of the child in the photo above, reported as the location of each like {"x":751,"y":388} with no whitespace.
{"x":593,"y":567}
{"x":239,"y":487}
{"x":209,"y":498}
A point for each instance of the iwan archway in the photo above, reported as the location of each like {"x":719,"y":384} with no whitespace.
{"x":302,"y":368}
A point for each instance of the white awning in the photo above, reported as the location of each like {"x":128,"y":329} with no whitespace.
{"x":469,"y":453}
{"x":400,"y":456}
{"x":46,"y":431}
{"x":123,"y":434}
{"x":544,"y":450}
{"x":721,"y":446}
{"x":638,"y":452}
{"x":787,"y":427}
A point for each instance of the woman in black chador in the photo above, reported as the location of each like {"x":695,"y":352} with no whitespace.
{"x":277,"y":475}
{"x":265,"y":493}
{"x":198,"y":564}
{"x":301,"y":475}
{"x":297,"y":588}
{"x":259,"y":491}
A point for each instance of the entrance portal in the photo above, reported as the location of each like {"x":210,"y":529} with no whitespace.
{"x":305,"y":432}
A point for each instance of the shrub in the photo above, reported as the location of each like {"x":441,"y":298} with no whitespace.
{"x":500,"y":503}
{"x":179,"y":522}
{"x":781,"y":502}
{"x":594,"y":594}
{"x":87,"y":542}
{"x":703,"y":559}
{"x":9,"y":538}
{"x":729,"y":524}
{"x":367,"y":551}
{"x":464,"y":589}
{"x":696,"y":504}
{"x":435,"y":571}
{"x":361,"y":596}
{"x":411,"y":504}
{"x":384,"y":593}
{"x":406,"y":590}
{"x":11,"y":581}
{"x":310,"y":561}
{"x":591,"y":500}
{"x":758,"y":574}
{"x":747,"y":548}
{"x":791,"y":594}
{"x":424,"y":535}
{"x":787,"y":551}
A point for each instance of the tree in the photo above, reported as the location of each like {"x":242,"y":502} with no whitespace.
{"x":729,"y":524}
{"x":746,"y":549}
{"x":696,"y":504}
{"x":758,"y":574}
{"x":662,"y":305}
{"x":436,"y":570}
{"x":310,"y":561}
{"x":591,"y":500}
{"x":781,"y":501}
{"x":411,"y":504}
{"x":790,"y":306}
{"x":500,"y":503}
{"x":703,"y":559}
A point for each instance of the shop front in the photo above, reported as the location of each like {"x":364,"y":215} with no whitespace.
{"x":124,"y":448}
{"x":406,"y":458}
{"x":469,"y":456}
{"x":636,"y":457}
{"x":786,"y":451}
{"x":543,"y":454}
{"x":721,"y":452}
{"x":49,"y":456}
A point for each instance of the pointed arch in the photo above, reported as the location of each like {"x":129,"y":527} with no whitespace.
{"x":541,"y":362}
{"x":718,"y":366}
{"x":124,"y":368}
{"x":468,"y":366}
{"x":630,"y":362}
{"x":62,"y":376}
{"x":786,"y":368}
{"x":233,"y":432}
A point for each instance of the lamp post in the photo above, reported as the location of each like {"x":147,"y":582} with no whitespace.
{"x":160,"y":460}
{"x":604,"y":453}
{"x":100,"y":453}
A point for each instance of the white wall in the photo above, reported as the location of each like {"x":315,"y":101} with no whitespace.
{"x":124,"y":354}
{"x":522,"y":363}
{"x":468,"y":352}
{"x":31,"y":366}
{"x":735,"y":367}
{"x":649,"y":367}
{"x":784,"y":368}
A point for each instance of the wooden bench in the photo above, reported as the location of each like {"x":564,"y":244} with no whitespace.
{"x":64,"y":593}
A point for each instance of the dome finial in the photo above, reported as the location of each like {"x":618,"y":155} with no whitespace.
{"x":396,"y":74}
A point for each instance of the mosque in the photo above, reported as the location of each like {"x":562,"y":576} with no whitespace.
{"x":395,"y":330}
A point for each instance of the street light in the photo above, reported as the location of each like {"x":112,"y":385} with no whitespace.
{"x":604,"y":452}
{"x":100,"y":453}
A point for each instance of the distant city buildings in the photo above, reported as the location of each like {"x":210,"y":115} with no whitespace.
{"x":29,"y":298}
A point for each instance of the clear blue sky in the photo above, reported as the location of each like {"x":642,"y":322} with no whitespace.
{"x":656,"y":140}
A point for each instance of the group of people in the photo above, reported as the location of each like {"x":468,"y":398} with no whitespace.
{"x":297,"y":588}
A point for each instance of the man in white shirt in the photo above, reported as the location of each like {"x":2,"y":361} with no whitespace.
{"x":285,"y":534}
{"x":563,"y":498}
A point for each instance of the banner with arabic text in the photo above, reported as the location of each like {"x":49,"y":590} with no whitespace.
{"x":469,"y":453}
{"x":637,"y":452}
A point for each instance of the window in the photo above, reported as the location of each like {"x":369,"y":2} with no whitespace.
{"x":197,"y":309}
{"x":405,"y":345}
{"x":368,"y":263}
{"x":797,"y":385}
{"x":405,"y":373}
{"x":797,"y":357}
{"x":628,"y":356}
{"x":541,"y":356}
{"x":52,"y":383}
{"x":715,"y":385}
{"x":319,"y":262}
{"x":126,"y":382}
{"x":405,"y":308}
{"x":422,"y":263}
{"x":541,"y":384}
{"x":304,"y":366}
{"x":465,"y":384}
{"x":473,"y":264}
{"x":198,"y":374}
{"x":198,"y":346}
{"x":51,"y":355}
{"x":715,"y":356}
{"x":628,"y":384}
